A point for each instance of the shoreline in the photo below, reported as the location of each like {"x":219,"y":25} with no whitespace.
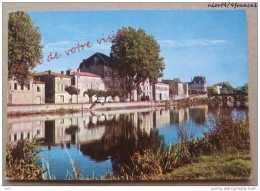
{"x":70,"y":108}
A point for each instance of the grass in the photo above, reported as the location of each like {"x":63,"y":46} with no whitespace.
{"x":206,"y":158}
{"x":233,"y":166}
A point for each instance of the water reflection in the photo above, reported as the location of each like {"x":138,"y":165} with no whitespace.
{"x":109,"y":136}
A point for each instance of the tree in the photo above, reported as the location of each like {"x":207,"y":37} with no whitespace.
{"x":226,"y":85}
{"x":24,"y":46}
{"x":135,"y":56}
{"x":72,"y":91}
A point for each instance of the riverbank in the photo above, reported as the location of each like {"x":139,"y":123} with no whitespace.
{"x":32,"y":109}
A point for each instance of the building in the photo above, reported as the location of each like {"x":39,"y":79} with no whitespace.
{"x":85,"y":81}
{"x":177,"y":88}
{"x":98,"y":64}
{"x":198,"y":85}
{"x":55,"y":84}
{"x":32,"y":93}
{"x":161,"y":91}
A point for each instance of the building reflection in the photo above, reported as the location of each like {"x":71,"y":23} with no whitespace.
{"x":101,"y":134}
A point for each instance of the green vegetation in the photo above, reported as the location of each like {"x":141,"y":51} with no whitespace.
{"x":22,"y":161}
{"x":72,"y":91}
{"x":109,"y":92}
{"x":226,"y":85}
{"x":225,"y":134}
{"x":135,"y":56}
{"x":24,"y":46}
{"x":235,"y":165}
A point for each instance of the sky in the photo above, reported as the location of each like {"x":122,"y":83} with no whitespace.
{"x":209,"y":43}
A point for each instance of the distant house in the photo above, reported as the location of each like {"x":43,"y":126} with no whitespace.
{"x":55,"y":84}
{"x":161,"y":91}
{"x":32,"y":93}
{"x":178,"y":89}
{"x":223,"y":90}
{"x":198,"y":85}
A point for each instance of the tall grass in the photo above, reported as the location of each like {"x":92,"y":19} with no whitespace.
{"x":225,"y":133}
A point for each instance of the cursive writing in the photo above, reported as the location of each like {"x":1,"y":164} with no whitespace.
{"x":232,"y":5}
{"x":80,"y":47}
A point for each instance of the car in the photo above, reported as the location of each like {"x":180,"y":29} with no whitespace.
{"x":125,"y":100}
{"x":110,"y":100}
{"x":100,"y":100}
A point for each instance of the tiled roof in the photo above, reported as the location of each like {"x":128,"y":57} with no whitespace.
{"x":84,"y":74}
{"x":52,"y":74}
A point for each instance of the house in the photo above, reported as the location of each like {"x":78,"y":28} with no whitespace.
{"x":161,"y":91}
{"x":198,"y":85}
{"x":55,"y":84}
{"x":85,"y":81}
{"x":177,"y":88}
{"x":98,"y":64}
{"x":32,"y":93}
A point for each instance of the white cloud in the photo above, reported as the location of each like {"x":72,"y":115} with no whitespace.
{"x":191,"y":43}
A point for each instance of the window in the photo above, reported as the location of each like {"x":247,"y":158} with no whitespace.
{"x":15,"y":137}
{"x":38,"y":88}
{"x":15,"y":86}
{"x":28,"y":135}
{"x":22,"y":87}
{"x":28,"y":87}
{"x":38,"y":132}
{"x":22,"y":136}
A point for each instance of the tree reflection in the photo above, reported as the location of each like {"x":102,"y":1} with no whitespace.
{"x":121,"y":139}
{"x":198,"y":115}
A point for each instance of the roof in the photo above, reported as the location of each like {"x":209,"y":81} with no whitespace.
{"x":97,"y":58}
{"x":38,"y":82}
{"x":84,"y":74}
{"x":52,"y":74}
{"x":199,"y":79}
{"x":160,"y":83}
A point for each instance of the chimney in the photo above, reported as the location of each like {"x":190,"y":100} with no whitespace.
{"x":62,"y":72}
{"x":49,"y":72}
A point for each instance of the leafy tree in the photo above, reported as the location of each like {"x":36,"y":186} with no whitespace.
{"x":90,"y":92}
{"x":226,"y":85}
{"x":135,"y":56}
{"x":24,"y":46}
{"x":245,"y":88}
{"x":72,"y":91}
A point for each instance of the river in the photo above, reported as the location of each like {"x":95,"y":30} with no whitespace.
{"x":96,"y":142}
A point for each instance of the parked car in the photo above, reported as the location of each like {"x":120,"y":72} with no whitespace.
{"x":125,"y":99}
{"x":100,"y":100}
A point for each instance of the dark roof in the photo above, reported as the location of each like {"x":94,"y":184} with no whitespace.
{"x":52,"y":74}
{"x":199,"y":79}
{"x":97,"y":58}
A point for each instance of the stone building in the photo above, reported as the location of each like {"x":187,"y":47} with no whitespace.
{"x":32,"y":93}
{"x":85,"y":81}
{"x":98,"y":64}
{"x":161,"y":91}
{"x":55,"y":85}
{"x":178,"y":89}
{"x":198,"y":85}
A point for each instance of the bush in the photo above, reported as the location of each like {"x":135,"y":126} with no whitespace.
{"x":22,"y":161}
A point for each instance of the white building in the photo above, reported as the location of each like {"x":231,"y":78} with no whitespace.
{"x":32,"y":93}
